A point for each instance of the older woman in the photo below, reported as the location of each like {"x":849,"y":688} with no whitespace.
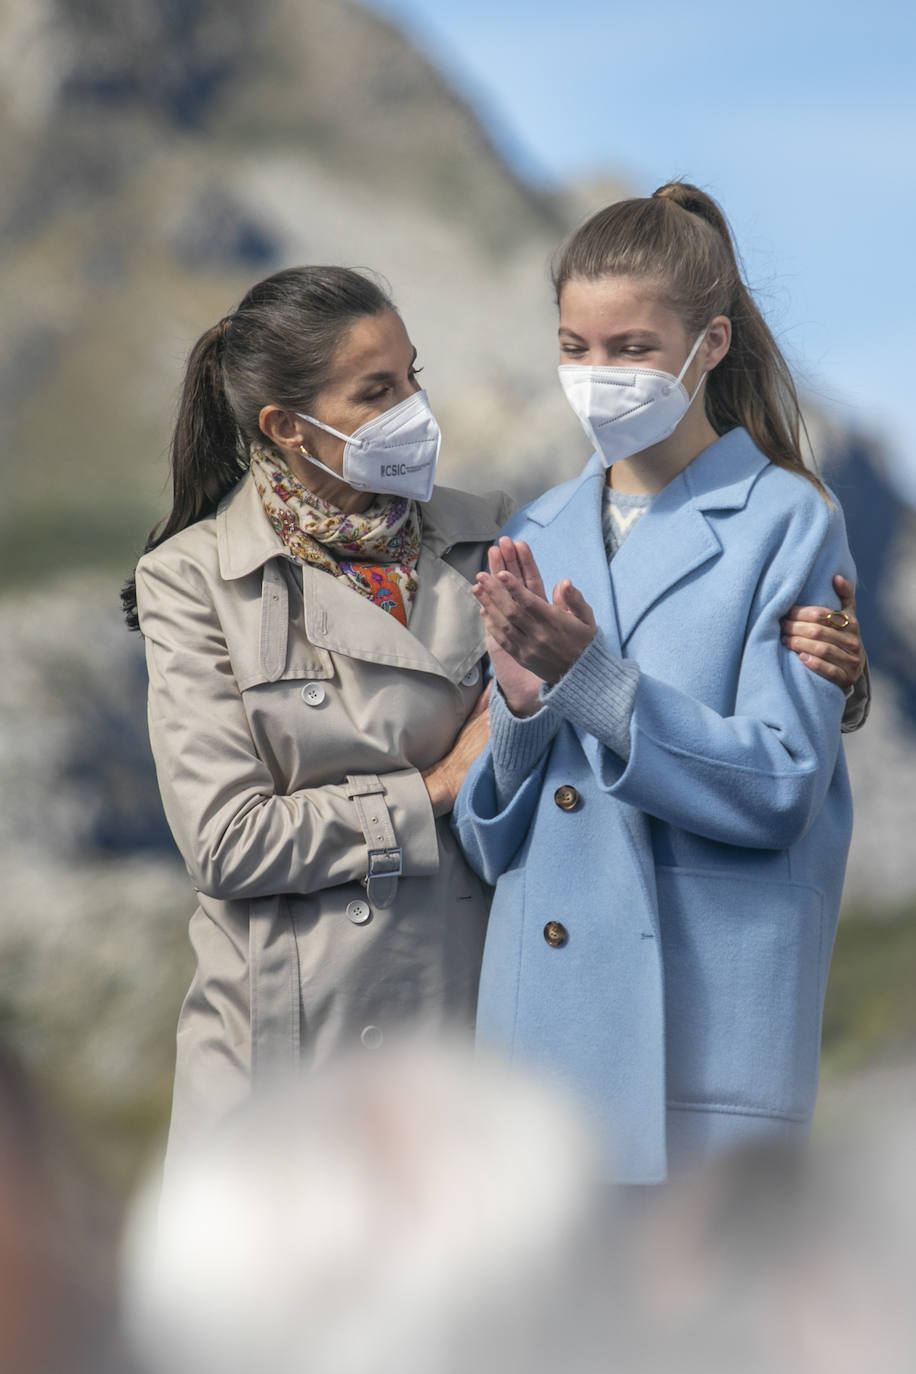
{"x":315,"y":674}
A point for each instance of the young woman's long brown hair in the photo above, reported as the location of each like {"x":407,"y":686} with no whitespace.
{"x":276,"y":348}
{"x":679,"y":238}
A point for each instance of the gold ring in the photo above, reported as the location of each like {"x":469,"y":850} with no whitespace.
{"x":841,"y":622}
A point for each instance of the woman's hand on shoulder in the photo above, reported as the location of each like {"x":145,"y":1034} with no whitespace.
{"x":828,"y":642}
{"x":443,"y":779}
{"x":541,"y":637}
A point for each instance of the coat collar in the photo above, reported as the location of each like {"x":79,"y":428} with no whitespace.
{"x":721,"y":478}
{"x":445,"y":634}
{"x":672,"y":540}
{"x":246,"y":541}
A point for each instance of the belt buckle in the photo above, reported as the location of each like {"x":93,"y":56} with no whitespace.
{"x":384,"y":863}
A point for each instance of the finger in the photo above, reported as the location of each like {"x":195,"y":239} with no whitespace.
{"x":530,"y":572}
{"x":800,"y":644}
{"x":823,"y":634}
{"x":826,"y":670}
{"x":843,"y":674}
{"x":510,"y":557}
{"x":818,"y":615}
{"x":571,"y":600}
{"x":503,"y":617}
{"x":495,"y":560}
{"x":509,"y":588}
{"x":503,"y":591}
{"x":846,"y":592}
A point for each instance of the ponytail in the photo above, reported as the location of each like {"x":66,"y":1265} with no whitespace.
{"x":277,"y":348}
{"x":680,"y":238}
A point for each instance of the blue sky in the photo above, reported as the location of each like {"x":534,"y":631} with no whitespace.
{"x":799,"y":117}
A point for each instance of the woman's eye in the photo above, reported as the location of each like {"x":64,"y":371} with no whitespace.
{"x":574,"y":350}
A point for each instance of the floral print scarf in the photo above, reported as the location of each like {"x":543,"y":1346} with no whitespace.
{"x":375,"y":552}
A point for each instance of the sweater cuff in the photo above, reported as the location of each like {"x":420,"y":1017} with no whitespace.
{"x":858,"y":703}
{"x":516,"y":744}
{"x":597,"y":694}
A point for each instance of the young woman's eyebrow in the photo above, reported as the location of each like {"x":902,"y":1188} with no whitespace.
{"x":625,"y":336}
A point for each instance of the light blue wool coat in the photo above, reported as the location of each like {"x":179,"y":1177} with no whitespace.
{"x":699,"y":876}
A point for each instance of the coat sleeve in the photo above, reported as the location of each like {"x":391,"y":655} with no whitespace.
{"x":499,"y":796}
{"x":758,"y":777}
{"x":238,"y":836}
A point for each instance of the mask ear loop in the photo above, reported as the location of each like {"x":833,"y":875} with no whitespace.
{"x":328,"y":429}
{"x":690,"y":357}
{"x":318,"y":464}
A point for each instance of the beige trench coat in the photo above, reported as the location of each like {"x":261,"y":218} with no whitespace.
{"x":289,"y":718}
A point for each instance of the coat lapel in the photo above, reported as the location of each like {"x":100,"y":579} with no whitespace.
{"x":574,"y":544}
{"x":675,"y":538}
{"x":445,"y":634}
{"x":672,"y":540}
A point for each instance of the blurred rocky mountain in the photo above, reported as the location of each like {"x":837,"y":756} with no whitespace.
{"x":159,"y":156}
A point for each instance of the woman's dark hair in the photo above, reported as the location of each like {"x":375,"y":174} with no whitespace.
{"x":679,"y":238}
{"x":277,"y":348}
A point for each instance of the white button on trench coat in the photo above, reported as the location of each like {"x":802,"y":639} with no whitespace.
{"x":289,"y":718}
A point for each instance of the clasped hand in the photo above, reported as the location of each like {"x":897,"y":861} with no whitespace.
{"x":530,"y":640}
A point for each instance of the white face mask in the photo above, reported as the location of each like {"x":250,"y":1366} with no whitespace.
{"x":395,"y":452}
{"x":626,"y":409}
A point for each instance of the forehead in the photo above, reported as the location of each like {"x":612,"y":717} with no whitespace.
{"x":373,"y":343}
{"x":612,"y":305}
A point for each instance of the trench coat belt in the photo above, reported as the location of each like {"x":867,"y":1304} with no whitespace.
{"x":273,"y":961}
{"x":384,"y":860}
{"x":274,"y":620}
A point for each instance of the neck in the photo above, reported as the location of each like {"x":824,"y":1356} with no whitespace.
{"x":327,"y":488}
{"x":653,"y":468}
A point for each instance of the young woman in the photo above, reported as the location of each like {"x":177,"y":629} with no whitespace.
{"x":315,"y":697}
{"x":664,"y":806}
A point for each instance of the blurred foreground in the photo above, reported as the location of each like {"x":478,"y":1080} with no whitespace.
{"x":421,"y":1212}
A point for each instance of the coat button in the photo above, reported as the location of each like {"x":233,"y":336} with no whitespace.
{"x":371,"y":1037}
{"x":566,"y":798}
{"x":471,"y":677}
{"x":555,"y":934}
{"x":359,"y":912}
{"x":313,"y":694}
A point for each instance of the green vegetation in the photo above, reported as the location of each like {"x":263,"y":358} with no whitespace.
{"x":870,"y":1013}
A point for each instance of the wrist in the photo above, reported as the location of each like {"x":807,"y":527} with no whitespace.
{"x":522,"y":706}
{"x":440,"y":789}
{"x":559,"y":670}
